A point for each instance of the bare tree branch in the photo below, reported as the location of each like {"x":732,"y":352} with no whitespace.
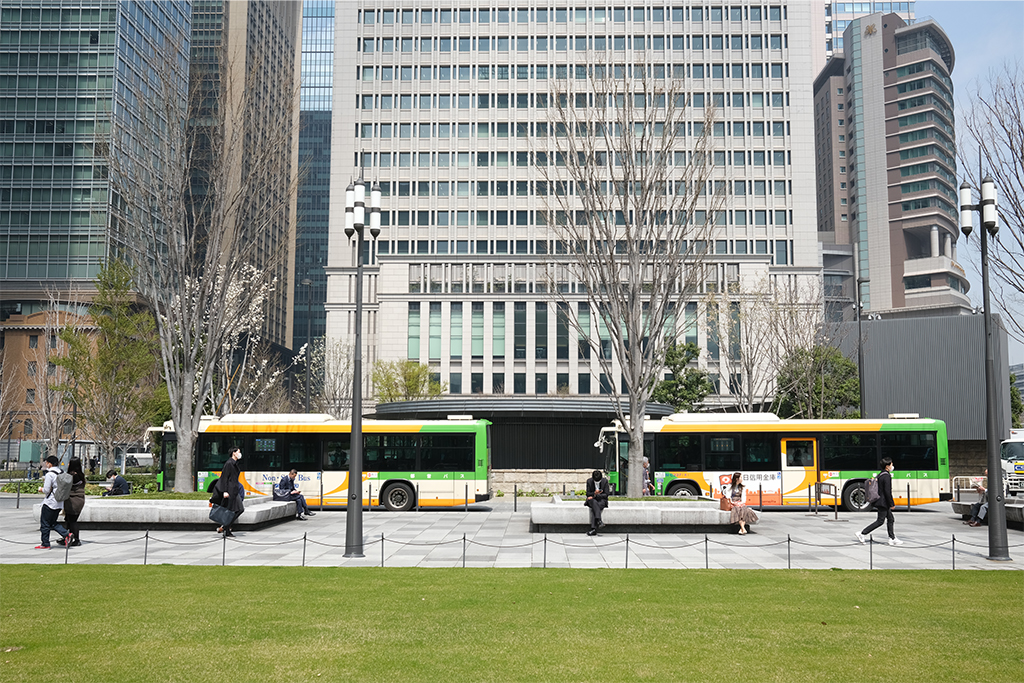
{"x":994,"y":124}
{"x":631,"y":199}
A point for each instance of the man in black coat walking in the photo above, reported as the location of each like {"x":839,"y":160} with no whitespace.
{"x":597,"y":500}
{"x":226,"y":492}
{"x":883,"y":506}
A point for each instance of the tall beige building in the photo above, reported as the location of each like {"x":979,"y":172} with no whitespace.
{"x":261,"y":44}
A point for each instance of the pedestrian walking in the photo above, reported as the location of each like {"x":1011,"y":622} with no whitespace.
{"x":51,"y":508}
{"x":76,"y":500}
{"x":884,"y":505}
{"x":227,"y":492}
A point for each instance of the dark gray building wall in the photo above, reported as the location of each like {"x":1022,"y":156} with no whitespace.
{"x":933,"y":366}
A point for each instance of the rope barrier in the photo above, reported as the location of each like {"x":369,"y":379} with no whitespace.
{"x":954,"y":542}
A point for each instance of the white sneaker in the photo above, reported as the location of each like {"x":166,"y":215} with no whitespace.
{"x":895,"y":541}
{"x":862,"y":538}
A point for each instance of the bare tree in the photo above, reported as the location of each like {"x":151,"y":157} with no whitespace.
{"x":754,"y":326}
{"x":51,"y":409}
{"x":994,"y":125}
{"x":630,"y":196}
{"x":9,"y":388}
{"x":195,"y":207}
{"x":110,"y":371}
{"x":330,"y":375}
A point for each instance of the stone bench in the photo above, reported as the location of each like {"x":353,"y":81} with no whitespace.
{"x":678,"y":515}
{"x":1014,"y":509}
{"x":114,"y":513}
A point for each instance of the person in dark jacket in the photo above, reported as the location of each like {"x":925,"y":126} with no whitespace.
{"x":119,"y":486}
{"x":76,"y":501}
{"x":883,"y":506}
{"x":287,"y":490}
{"x":597,"y":500}
{"x":227,"y":492}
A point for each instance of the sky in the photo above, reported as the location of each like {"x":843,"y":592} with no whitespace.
{"x":985,"y":35}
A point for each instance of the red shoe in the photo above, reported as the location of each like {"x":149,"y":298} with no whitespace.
{"x":42,"y":547}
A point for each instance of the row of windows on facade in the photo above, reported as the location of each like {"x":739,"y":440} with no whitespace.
{"x":57,"y":60}
{"x":565,"y":334}
{"x":557,"y":247}
{"x":542,"y":383}
{"x":578,"y":15}
{"x":541,"y":130}
{"x":541,"y":72}
{"x":575,"y":43}
{"x":500,"y":218}
{"x":754,"y":159}
{"x":526,"y":188}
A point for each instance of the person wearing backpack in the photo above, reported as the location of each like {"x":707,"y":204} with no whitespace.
{"x":51,"y":506}
{"x":76,"y":500}
{"x":884,"y":505}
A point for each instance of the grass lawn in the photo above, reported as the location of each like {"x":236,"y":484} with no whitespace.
{"x":76,"y":624}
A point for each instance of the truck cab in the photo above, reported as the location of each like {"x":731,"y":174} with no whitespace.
{"x":1011,"y":452}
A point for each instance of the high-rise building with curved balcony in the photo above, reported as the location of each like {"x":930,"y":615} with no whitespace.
{"x":886,"y":166}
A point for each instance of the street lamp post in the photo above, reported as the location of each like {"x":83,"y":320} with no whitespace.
{"x":355,"y":222}
{"x":860,"y":343}
{"x":306,"y":282}
{"x":997,"y":543}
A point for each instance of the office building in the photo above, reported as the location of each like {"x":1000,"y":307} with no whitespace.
{"x":64,"y":67}
{"x":886,"y":165}
{"x":251,"y":50}
{"x":443,"y":106}
{"x":315,"y":165}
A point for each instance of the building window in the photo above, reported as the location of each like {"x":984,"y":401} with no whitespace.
{"x":30,"y":396}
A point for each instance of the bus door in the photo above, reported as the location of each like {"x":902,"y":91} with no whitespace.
{"x":799,"y":469}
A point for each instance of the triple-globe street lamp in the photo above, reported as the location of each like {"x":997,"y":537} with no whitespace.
{"x":355,"y":223}
{"x":997,"y":543}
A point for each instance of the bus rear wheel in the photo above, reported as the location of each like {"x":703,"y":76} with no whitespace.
{"x":683,"y":490}
{"x":855,"y":498}
{"x":398,"y":498}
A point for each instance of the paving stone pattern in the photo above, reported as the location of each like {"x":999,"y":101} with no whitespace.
{"x":496,"y":535}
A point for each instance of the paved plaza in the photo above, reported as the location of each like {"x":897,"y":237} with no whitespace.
{"x":496,"y":534}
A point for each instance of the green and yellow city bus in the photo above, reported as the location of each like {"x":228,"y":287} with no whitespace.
{"x":696,"y":454}
{"x":430,"y":463}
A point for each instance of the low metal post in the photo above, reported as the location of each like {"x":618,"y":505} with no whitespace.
{"x":369,"y":506}
{"x":224,"y":551}
{"x":382,"y":550}
{"x":67,"y":548}
{"x":545,"y":551}
{"x":515,"y":498}
{"x":463,"y":551}
{"x":954,"y":551}
{"x":563,"y":488}
{"x":760,"y":497}
{"x":145,"y":550}
{"x":789,"y":552}
{"x":871,"y":553}
{"x":707,"y":564}
{"x":627,"y":551}
{"x":18,"y":503}
{"x":908,"y":497}
{"x":303,"y":550}
{"x":811,"y":501}
{"x":321,"y":509}
{"x":417,"y":497}
{"x":467,"y":497}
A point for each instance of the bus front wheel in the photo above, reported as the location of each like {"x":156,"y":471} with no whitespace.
{"x":398,"y":498}
{"x":683,"y":490}
{"x":855,"y":497}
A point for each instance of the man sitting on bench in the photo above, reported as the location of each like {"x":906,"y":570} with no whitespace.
{"x":286,"y":490}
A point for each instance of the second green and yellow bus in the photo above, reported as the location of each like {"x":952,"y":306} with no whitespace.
{"x":407,"y":463}
{"x":781,"y":460}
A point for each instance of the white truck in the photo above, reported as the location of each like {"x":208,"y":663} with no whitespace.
{"x":1011,"y":452}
